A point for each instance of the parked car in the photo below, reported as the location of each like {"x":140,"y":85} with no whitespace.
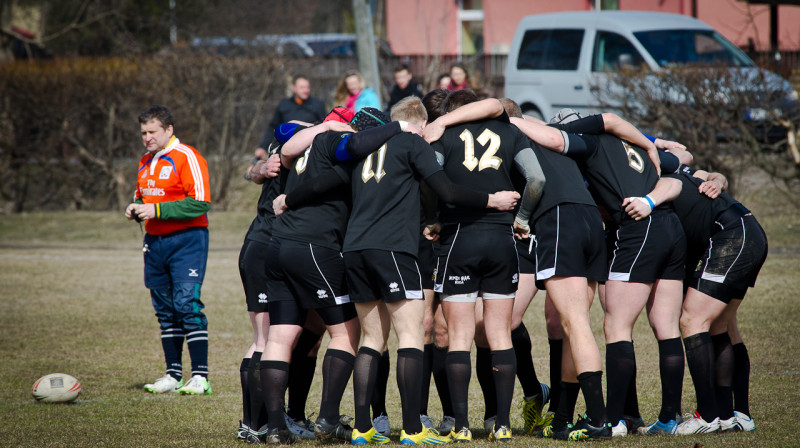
{"x":556,"y":58}
{"x":291,"y":45}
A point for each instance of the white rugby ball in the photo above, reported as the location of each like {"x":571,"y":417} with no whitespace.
{"x":56,"y":388}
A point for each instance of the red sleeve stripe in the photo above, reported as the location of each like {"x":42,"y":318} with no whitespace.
{"x":197,"y":174}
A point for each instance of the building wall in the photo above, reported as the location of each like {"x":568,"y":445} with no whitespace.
{"x":430,"y":26}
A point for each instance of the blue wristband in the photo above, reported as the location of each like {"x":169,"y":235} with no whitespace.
{"x":650,"y":201}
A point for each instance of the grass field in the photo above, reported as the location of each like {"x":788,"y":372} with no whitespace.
{"x":72,"y":300}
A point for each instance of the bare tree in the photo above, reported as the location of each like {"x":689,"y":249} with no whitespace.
{"x":729,"y":118}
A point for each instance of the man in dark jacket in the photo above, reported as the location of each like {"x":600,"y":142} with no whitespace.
{"x":300,"y":106}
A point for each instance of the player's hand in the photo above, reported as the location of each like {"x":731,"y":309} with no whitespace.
{"x":503,"y":200}
{"x":338,"y":126}
{"x":710,"y":188}
{"x":637,"y":208}
{"x":279,"y":205}
{"x":414,"y":129}
{"x":433,"y":131}
{"x":272,"y":167}
{"x":130,"y":211}
{"x":668,"y":144}
{"x":522,"y":229}
{"x":431,"y":232}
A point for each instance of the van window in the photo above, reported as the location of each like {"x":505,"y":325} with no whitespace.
{"x":550,"y":50}
{"x":613,"y":52}
{"x":702,"y":47}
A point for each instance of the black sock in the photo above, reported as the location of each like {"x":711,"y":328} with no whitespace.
{"x":566,"y":405}
{"x":671,"y":365}
{"x":243,"y":377}
{"x":379,"y":395}
{"x":365,"y":374}
{"x":301,"y":374}
{"x":275,"y":379}
{"x":425,"y":390}
{"x":197,"y":341}
{"x":556,"y":347}
{"x":504,"y":368}
{"x":620,"y":369}
{"x":591,"y":384}
{"x":526,"y":372}
{"x":483,"y":370}
{"x":337,"y":365}
{"x":258,"y":409}
{"x":459,"y":371}
{"x":631,"y":408}
{"x":439,"y":371}
{"x":741,"y":379}
{"x":409,"y":381}
{"x":700,"y":359}
{"x":172,"y":343}
{"x":723,"y":367}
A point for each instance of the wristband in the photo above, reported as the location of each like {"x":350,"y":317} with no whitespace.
{"x":650,"y":202}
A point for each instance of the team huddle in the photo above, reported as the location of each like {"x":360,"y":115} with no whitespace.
{"x":442,"y":222}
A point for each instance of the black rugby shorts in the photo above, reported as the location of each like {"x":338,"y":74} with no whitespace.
{"x":477,"y":258}
{"x":253,"y":271}
{"x":732,"y":260}
{"x":374,"y":274}
{"x":570,"y":243}
{"x":648,"y":250}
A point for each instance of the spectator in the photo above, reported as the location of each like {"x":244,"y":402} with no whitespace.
{"x":300,"y":106}
{"x":404,"y":86}
{"x":353,"y":93}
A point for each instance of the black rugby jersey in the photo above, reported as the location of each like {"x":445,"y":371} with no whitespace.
{"x":386,"y":197}
{"x":565,"y":184}
{"x":323,"y":221}
{"x":696,"y":210}
{"x":480,"y":155}
{"x":615,"y":170}
{"x":261,"y":227}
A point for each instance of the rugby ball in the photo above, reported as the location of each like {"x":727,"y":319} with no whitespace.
{"x":56,"y":388}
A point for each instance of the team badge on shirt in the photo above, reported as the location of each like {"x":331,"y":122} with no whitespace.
{"x":165,"y":171}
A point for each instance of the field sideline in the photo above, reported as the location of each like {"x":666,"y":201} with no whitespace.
{"x":73,"y":301}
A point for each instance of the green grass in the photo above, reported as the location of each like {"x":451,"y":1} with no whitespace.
{"x":73,"y":301}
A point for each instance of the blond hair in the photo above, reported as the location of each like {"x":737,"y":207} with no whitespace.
{"x":410,"y":109}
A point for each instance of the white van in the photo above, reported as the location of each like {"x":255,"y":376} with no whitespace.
{"x":555,"y":58}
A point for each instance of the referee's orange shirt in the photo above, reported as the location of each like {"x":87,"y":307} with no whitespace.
{"x":172,"y":174}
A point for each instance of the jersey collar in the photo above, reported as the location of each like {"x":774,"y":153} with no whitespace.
{"x":173,"y":142}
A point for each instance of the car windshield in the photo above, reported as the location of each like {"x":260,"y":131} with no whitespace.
{"x":694,"y":47}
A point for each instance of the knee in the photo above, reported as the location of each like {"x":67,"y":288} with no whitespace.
{"x":440,"y":336}
{"x":553,"y":323}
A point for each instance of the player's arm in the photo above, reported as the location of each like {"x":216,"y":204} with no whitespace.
{"x":362,"y":144}
{"x":300,"y":139}
{"x":479,"y":110}
{"x":462,"y":196}
{"x":714,"y":183}
{"x":549,"y":137}
{"x":526,"y":162}
{"x":667,"y":188}
{"x":620,"y":128}
{"x":307,"y":192}
{"x":265,"y":169}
